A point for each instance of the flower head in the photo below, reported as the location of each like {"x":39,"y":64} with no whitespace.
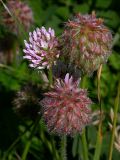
{"x":42,"y":48}
{"x":26,"y":102}
{"x":19,"y":10}
{"x":66,"y":108}
{"x":87,"y":42}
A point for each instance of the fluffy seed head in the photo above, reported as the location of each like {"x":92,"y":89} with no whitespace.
{"x":42,"y":48}
{"x":26,"y":102}
{"x":87,"y":42}
{"x":66,"y":108}
{"x":21,"y":12}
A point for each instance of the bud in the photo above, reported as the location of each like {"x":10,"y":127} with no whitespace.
{"x":86,"y":42}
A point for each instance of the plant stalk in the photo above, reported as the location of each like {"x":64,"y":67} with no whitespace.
{"x":83,"y":136}
{"x":99,"y":134}
{"x":63,"y":147}
{"x":26,"y":149}
{"x":117,"y":99}
{"x":14,"y":143}
{"x":85,"y":147}
{"x":50,"y":76}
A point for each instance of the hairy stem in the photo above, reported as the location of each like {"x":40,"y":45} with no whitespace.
{"x":117,"y":99}
{"x":50,"y":76}
{"x":54,"y":150}
{"x":98,"y":143}
{"x":63,"y":147}
{"x":83,"y":136}
{"x":99,"y":134}
{"x":85,"y":147}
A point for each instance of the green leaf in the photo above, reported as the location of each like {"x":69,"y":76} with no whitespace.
{"x":103,"y":3}
{"x":92,"y":134}
{"x":8,"y":81}
{"x":111,"y":18}
{"x":75,"y":145}
{"x":83,"y":8}
{"x":63,"y":12}
{"x":54,"y":23}
{"x":114,"y":60}
{"x":36,"y":7}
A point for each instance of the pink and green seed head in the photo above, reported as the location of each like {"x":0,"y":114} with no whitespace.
{"x":21,"y":11}
{"x":88,"y":42}
{"x":66,"y":107}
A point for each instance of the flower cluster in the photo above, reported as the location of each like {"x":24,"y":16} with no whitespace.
{"x":66,"y":108}
{"x":42,"y":48}
{"x":87,"y":42}
{"x":20,"y":12}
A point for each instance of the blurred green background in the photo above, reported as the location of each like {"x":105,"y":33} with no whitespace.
{"x":15,"y":127}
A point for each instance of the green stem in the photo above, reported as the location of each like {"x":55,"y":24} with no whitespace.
{"x":114,"y":122}
{"x":98,"y":143}
{"x":83,"y":136}
{"x":84,"y":145}
{"x":50,"y":146}
{"x":6,"y":67}
{"x":54,"y":150}
{"x":26,"y":150}
{"x":45,"y":141}
{"x":13,"y":144}
{"x":75,"y":147}
{"x":99,"y":134}
{"x":24,"y":155}
{"x":50,"y":76}
{"x":63,"y":147}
